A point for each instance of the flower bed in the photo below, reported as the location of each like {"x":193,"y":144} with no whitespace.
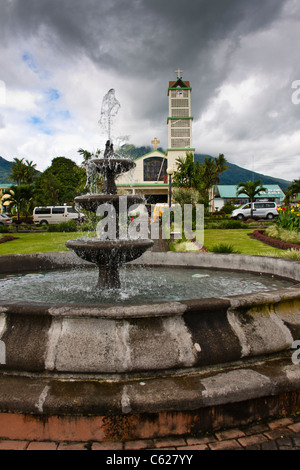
{"x":7,"y":239}
{"x":259,"y":235}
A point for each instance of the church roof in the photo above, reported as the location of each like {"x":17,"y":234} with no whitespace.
{"x":179,"y":83}
{"x":182,"y":82}
{"x":157,"y":153}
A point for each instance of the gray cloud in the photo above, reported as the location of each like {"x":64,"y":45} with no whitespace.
{"x":216,"y":43}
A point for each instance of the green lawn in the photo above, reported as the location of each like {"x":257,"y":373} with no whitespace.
{"x":240,"y":240}
{"x":49,"y":242}
{"x":37,"y":242}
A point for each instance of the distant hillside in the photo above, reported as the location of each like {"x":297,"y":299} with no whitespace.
{"x":4,"y":171}
{"x":234,"y":175}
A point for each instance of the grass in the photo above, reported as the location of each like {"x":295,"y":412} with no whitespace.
{"x":240,"y":241}
{"x":55,"y":241}
{"x":37,"y":242}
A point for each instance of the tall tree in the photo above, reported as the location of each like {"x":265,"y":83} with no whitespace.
{"x":66,"y":177}
{"x":220,"y":167}
{"x":292,"y":190}
{"x":22,"y":172}
{"x":29,"y":172}
{"x":250,"y":189}
{"x":17,"y":171}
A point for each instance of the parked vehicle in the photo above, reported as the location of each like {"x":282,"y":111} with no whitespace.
{"x":5,"y":219}
{"x":261,"y":210}
{"x":55,"y":215}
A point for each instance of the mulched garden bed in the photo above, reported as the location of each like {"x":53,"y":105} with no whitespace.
{"x":259,"y":235}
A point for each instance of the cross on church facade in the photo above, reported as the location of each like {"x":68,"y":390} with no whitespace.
{"x":155,"y":142}
{"x":178,"y":71}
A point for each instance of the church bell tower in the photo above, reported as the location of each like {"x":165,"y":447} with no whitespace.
{"x":179,"y":120}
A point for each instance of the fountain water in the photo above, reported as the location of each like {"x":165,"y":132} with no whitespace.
{"x":109,"y":255}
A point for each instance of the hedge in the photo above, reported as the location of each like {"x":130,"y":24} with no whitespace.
{"x":259,"y":235}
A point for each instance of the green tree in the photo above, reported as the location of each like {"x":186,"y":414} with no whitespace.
{"x":60,"y":183}
{"x":220,"y":167}
{"x":17,"y":171}
{"x":250,"y":189}
{"x":189,"y":174}
{"x":94,"y":180}
{"x":46,"y":191}
{"x":29,"y":172}
{"x":20,"y":197}
{"x":22,"y":172}
{"x":292,"y":190}
{"x":202,"y":177}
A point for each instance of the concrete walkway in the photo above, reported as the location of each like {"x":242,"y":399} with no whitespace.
{"x":277,"y":434}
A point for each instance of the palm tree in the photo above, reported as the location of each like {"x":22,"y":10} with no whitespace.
{"x":29,"y":172}
{"x":220,"y":167}
{"x":18,"y":196}
{"x":17,"y":171}
{"x":185,"y":173}
{"x":250,"y":189}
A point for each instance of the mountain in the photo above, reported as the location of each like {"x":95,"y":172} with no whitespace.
{"x":4,"y":171}
{"x":234,"y":175}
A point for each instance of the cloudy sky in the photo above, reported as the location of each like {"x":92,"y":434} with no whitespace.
{"x":58,"y":58}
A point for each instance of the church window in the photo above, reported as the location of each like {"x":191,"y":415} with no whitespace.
{"x":155,"y":168}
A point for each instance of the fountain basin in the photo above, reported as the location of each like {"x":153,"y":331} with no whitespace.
{"x":115,"y":165}
{"x":106,"y":252}
{"x":155,"y":369}
{"x":91,"y":202}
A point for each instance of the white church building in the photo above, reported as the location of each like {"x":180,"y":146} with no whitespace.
{"x":150,"y":177}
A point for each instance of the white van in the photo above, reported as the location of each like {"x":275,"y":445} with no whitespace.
{"x":261,"y":210}
{"x":54,"y":214}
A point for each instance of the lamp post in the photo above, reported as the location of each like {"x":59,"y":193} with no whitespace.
{"x":170,"y":172}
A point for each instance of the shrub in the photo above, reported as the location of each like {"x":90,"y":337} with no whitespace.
{"x":292,"y":254}
{"x":186,"y":196}
{"x":23,"y":220}
{"x":226,"y":224}
{"x":4,"y":229}
{"x":70,"y":226}
{"x":275,"y":242}
{"x":223,"y":248}
{"x":287,"y":236}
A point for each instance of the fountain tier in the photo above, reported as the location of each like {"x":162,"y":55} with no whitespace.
{"x":109,"y":255}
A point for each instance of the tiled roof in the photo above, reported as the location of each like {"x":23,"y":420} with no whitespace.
{"x":172,"y":83}
{"x":229,"y":191}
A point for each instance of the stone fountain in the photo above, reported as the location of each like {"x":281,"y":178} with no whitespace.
{"x":109,"y":255}
{"x":80,"y":371}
